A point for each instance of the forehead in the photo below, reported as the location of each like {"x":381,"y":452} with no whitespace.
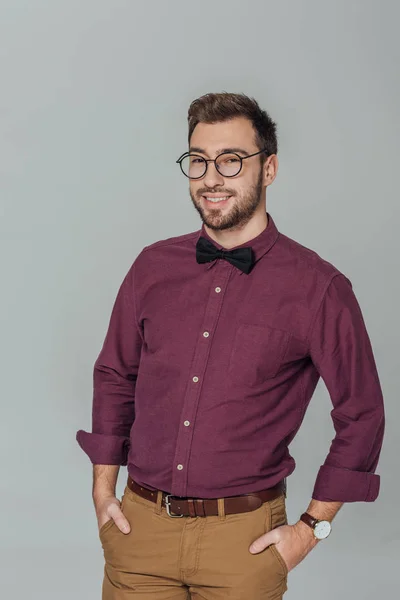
{"x":226,"y":134}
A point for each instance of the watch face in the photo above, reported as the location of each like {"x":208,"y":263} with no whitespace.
{"x":322,"y":529}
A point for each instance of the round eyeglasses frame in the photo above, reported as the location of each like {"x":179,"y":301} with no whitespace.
{"x":207,"y":160}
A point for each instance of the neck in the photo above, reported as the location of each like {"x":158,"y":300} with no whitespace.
{"x":230,"y":238}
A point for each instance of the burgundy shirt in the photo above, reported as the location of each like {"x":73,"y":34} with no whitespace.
{"x":206,"y":372}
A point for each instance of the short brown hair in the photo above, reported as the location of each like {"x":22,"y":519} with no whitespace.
{"x":216,"y":107}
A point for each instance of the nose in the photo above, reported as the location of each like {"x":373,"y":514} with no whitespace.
{"x":212,"y":177}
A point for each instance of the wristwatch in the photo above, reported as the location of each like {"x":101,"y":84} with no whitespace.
{"x":320,"y":528}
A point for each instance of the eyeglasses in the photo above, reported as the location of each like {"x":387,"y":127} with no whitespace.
{"x":228,"y":164}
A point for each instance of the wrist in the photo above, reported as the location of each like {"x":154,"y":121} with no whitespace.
{"x":101,"y":493}
{"x":306,"y":532}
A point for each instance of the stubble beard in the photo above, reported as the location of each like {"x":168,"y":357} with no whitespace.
{"x":238,"y":215}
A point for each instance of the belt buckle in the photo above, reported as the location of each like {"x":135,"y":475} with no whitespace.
{"x":168,"y":504}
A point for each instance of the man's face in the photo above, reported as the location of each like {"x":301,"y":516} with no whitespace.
{"x":244,"y":189}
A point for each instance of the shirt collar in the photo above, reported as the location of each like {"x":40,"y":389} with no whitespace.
{"x":261,"y":244}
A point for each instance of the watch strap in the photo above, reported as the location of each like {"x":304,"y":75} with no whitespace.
{"x":309,"y":520}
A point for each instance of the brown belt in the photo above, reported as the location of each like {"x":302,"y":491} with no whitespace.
{"x":178,"y":506}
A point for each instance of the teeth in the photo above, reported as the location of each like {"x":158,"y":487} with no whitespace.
{"x":217,"y":199}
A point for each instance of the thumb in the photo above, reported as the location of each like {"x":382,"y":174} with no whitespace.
{"x":271,"y":537}
{"x":121,"y":521}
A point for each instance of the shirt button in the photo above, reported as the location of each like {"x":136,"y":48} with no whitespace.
{"x":206,"y":334}
{"x":195,"y":378}
{"x":186,"y":423}
{"x":217,"y":289}
{"x":180,"y":467}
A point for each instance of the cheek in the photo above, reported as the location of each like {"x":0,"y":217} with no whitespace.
{"x":238,"y":191}
{"x":249,"y":186}
{"x":193,"y":188}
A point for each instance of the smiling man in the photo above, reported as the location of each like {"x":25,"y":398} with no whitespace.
{"x":216,"y":342}
{"x":236,"y":209}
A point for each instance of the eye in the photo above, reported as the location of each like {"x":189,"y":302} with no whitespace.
{"x":228,"y":159}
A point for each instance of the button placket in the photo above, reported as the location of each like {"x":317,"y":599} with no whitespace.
{"x":221,"y":276}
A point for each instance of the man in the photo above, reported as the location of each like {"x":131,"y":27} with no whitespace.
{"x":215,"y":345}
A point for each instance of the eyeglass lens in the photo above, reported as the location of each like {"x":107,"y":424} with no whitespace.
{"x":195,"y":166}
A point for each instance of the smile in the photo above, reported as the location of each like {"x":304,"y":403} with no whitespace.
{"x":216,"y":199}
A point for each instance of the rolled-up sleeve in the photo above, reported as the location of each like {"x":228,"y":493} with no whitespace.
{"x":341,"y":351}
{"x":114,"y":380}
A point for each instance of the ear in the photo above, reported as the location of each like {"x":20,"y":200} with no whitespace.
{"x":270,"y":169}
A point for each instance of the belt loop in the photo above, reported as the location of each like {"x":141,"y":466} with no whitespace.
{"x":221,"y":509}
{"x":199,"y":507}
{"x":158,"y":503}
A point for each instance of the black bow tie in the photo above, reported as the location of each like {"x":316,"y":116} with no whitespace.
{"x":242,"y":258}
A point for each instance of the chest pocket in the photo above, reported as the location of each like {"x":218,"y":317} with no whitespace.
{"x":257,"y":353}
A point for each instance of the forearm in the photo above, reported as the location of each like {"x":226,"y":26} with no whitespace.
{"x":104,"y":480}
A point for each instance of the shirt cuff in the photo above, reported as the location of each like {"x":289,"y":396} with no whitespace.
{"x":335,"y":484}
{"x":104,"y":449}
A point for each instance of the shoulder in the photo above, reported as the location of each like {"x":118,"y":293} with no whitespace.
{"x":306,"y":258}
{"x":162,"y":253}
{"x":308,"y":270}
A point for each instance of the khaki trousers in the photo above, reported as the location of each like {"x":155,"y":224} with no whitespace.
{"x":203,"y":558}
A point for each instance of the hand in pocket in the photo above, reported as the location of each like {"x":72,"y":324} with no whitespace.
{"x":109,"y":508}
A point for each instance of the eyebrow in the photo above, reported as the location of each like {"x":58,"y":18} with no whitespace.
{"x":220,"y":151}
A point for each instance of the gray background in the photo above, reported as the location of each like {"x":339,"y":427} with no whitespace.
{"x":93,"y":106}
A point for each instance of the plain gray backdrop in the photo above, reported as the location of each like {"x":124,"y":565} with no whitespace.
{"x":93,"y":107}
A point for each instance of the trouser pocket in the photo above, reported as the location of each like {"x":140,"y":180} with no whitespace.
{"x":276,"y":516}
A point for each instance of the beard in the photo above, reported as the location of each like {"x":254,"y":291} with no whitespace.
{"x":239,"y":214}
